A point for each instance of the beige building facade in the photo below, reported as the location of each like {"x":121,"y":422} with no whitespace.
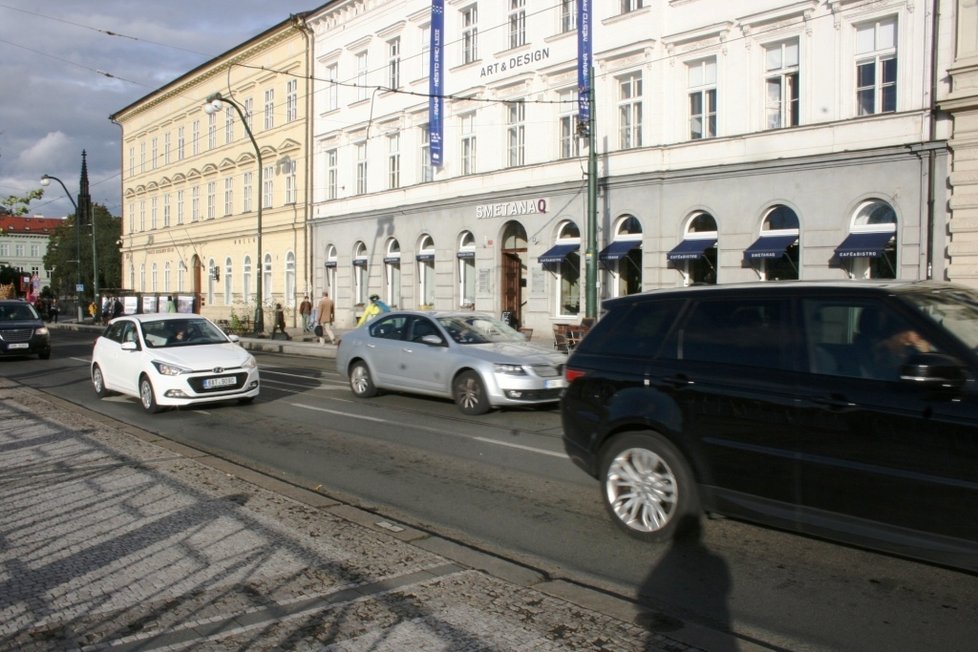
{"x":193,"y":177}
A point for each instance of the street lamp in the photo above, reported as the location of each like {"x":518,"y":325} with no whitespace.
{"x":46,"y":181}
{"x":214,"y":103}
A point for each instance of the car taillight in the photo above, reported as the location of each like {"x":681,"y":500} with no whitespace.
{"x":572,"y":374}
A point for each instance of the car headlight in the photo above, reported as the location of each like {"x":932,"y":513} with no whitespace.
{"x":250,"y":363}
{"x":167,"y":369}
{"x":511,"y":369}
{"x":43,"y":330}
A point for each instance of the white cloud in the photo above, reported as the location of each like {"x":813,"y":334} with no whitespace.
{"x":46,"y":152}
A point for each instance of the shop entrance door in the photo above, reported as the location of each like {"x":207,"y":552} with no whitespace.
{"x":513,"y":273}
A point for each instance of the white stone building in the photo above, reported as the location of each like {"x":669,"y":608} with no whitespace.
{"x":736,"y":140}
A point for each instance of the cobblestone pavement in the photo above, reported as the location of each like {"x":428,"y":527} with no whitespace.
{"x":113,"y":540}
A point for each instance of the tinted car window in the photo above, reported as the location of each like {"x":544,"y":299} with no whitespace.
{"x":748,"y":332}
{"x":388,"y":328}
{"x":633,"y":329}
{"x":114,"y":331}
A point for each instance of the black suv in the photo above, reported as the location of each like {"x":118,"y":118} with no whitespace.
{"x":846,"y":410}
{"x":22,"y":331}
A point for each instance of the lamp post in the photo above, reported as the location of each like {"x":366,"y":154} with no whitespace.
{"x":46,"y":181}
{"x":214,"y":104}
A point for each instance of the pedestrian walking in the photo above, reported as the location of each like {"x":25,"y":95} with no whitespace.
{"x":324,"y":320}
{"x":279,"y":322}
{"x":304,"y":309}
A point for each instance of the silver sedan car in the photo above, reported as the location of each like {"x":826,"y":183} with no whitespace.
{"x":475,"y":359}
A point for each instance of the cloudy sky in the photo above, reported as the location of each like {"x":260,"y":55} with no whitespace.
{"x":66,"y":65}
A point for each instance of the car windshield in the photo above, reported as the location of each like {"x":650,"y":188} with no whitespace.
{"x":181,"y":332}
{"x":18,"y":312}
{"x":479,"y":329}
{"x":956,"y":309}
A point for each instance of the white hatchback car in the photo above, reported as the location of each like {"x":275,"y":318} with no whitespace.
{"x":172,"y":359}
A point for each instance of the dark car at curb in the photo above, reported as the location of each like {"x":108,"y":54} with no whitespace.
{"x":844,"y":410}
{"x":22,"y":330}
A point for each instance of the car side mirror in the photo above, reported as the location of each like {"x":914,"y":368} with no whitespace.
{"x":130,"y":346}
{"x":433,"y":340}
{"x":933,"y":370}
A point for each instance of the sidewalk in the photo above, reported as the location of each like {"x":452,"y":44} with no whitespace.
{"x":112,"y":538}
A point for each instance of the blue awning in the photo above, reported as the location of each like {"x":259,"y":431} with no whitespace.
{"x":330,"y":263}
{"x":691,"y":248}
{"x":425,"y":257}
{"x":392,"y":260}
{"x":466,"y":253}
{"x":864,"y":245}
{"x":618,"y":249}
{"x":557,"y":253}
{"x":769,"y":246}
{"x":359,"y":262}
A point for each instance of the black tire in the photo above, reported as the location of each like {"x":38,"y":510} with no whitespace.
{"x":147,"y":397}
{"x":361,"y":383}
{"x":469,"y":393}
{"x":648,"y":488}
{"x":98,"y":382}
{"x":44,"y":355}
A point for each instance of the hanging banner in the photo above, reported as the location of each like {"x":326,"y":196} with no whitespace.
{"x":436,"y":104}
{"x":583,"y":60}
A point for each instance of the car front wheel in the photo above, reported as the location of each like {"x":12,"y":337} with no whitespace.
{"x":648,"y":487}
{"x":361,"y":383}
{"x":146,"y":396}
{"x":98,"y":382}
{"x":470,"y":394}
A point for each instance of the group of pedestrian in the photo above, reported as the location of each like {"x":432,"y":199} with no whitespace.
{"x":319,"y":319}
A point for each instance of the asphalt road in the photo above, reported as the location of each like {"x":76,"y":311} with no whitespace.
{"x":502,"y":482}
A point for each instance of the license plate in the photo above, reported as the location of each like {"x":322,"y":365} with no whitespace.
{"x":19,"y":345}
{"x":552,"y":384}
{"x":211,"y":383}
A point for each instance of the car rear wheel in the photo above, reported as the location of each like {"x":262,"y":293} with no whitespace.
{"x":361,"y":383}
{"x":146,"y":395}
{"x":470,"y":394}
{"x":98,"y":381}
{"x":648,"y":487}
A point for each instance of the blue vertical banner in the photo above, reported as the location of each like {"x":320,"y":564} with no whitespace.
{"x":436,"y":79}
{"x":583,"y":60}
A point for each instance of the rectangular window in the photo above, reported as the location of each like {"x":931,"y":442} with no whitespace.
{"x":361,"y":149}
{"x":166,"y":210}
{"x":361,"y":76}
{"x":517,"y":23}
{"x":876,"y":66}
{"x":270,"y":108}
{"x":211,"y":199}
{"x":569,"y":145}
{"x":426,"y":171}
{"x":630,"y":111}
{"x":332,"y":174}
{"x":181,"y":150}
{"x":393,"y":161}
{"x":212,"y":131}
{"x":228,"y":124}
{"x":631,"y":5}
{"x":249,"y":113}
{"x":132,"y":161}
{"x":142,"y":157}
{"x":19,"y":250}
{"x":333,"y":94}
{"x":516,"y":132}
{"x":470,"y":34}
{"x":291,"y":100}
{"x":425,"y":50}
{"x":781,"y":84}
{"x":228,"y":195}
{"x":568,"y":15}
{"x":195,"y":204}
{"x":247,"y":190}
{"x":166,"y":148}
{"x":290,"y":187}
{"x":132,"y":219}
{"x":394,"y":63}
{"x":152,"y":212}
{"x":154,"y":153}
{"x":702,"y":84}
{"x":179,"y":207}
{"x":142,"y":215}
{"x":468,"y":143}
{"x":268,"y":186}
{"x":195,"y":138}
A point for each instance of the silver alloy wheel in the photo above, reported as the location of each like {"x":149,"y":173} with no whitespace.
{"x":146,"y":395}
{"x":641,"y":490}
{"x":360,"y":381}
{"x":98,"y":381}
{"x":470,"y":394}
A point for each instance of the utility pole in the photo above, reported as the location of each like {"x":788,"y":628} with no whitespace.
{"x":590,"y":253}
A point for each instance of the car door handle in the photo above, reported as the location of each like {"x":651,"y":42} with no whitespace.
{"x":677,"y":381}
{"x":833,"y":402}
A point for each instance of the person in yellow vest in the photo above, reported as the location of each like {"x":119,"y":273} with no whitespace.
{"x":375,"y":308}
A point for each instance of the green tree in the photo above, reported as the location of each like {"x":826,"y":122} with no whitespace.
{"x":66,"y":245}
{"x":14,"y":205}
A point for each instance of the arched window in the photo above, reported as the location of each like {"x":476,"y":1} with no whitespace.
{"x":622,"y":258}
{"x":696,"y":255}
{"x":166,"y":277}
{"x":564,"y":261}
{"x":211,"y":281}
{"x":153,"y":278}
{"x":331,"y":271}
{"x":181,"y":276}
{"x":775,"y":254}
{"x":228,"y":282}
{"x":142,"y":277}
{"x":869,"y":251}
{"x":392,"y":273}
{"x":246,"y":279}
{"x":290,"y":280}
{"x":360,"y":273}
{"x":426,"y":270}
{"x":466,"y":269}
{"x":132,"y":276}
{"x":266,"y":280}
